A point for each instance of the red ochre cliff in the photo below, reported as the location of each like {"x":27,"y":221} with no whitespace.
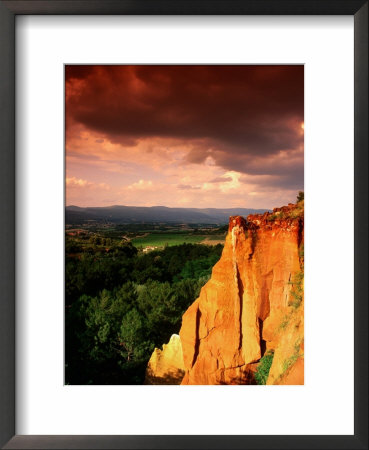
{"x":252,"y":306}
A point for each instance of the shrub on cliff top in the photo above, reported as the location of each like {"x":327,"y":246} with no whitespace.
{"x":300,"y":196}
{"x":262,"y":372}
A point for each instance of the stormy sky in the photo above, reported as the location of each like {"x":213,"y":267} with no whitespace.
{"x":190,"y":136}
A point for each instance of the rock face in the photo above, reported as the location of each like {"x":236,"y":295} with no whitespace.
{"x":253,"y":303}
{"x":166,"y":366}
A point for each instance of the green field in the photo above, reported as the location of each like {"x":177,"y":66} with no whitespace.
{"x":163,"y":239}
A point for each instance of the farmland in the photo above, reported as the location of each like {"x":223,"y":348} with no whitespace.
{"x":169,"y":239}
{"x":145,"y":237}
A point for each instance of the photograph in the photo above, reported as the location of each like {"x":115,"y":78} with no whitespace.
{"x":184,"y":224}
{"x":165,"y":150}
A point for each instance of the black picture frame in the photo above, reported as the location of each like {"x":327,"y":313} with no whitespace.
{"x":8,"y":11}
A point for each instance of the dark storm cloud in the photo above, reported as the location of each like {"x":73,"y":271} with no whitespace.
{"x":292,"y":180}
{"x":241,"y":116}
{"x":284,"y":169}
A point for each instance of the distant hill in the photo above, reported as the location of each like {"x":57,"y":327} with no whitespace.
{"x":154,"y":214}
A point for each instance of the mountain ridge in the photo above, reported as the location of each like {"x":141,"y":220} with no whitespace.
{"x":152,"y":214}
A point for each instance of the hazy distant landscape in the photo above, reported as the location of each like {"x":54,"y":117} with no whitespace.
{"x":149,"y":228}
{"x":155,"y":214}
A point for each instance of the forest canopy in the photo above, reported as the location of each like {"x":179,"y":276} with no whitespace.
{"x":121,"y":304}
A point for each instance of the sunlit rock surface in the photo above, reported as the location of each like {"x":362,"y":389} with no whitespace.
{"x":166,"y":366}
{"x":251,"y":304}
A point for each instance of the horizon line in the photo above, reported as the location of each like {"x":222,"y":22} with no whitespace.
{"x":163,"y":206}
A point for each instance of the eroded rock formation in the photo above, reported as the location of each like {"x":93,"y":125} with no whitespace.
{"x":252,"y":304}
{"x":166,"y":366}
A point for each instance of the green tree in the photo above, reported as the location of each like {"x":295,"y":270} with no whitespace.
{"x":132,"y":335}
{"x":300,"y":196}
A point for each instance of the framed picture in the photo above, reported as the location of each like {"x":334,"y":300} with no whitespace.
{"x":153,"y":159}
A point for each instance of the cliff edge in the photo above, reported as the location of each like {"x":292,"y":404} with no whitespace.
{"x":251,"y":310}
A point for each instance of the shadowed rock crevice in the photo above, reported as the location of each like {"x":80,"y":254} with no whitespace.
{"x":197,"y":341}
{"x":262,"y":342}
{"x":300,"y":234}
{"x":240,"y":299}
